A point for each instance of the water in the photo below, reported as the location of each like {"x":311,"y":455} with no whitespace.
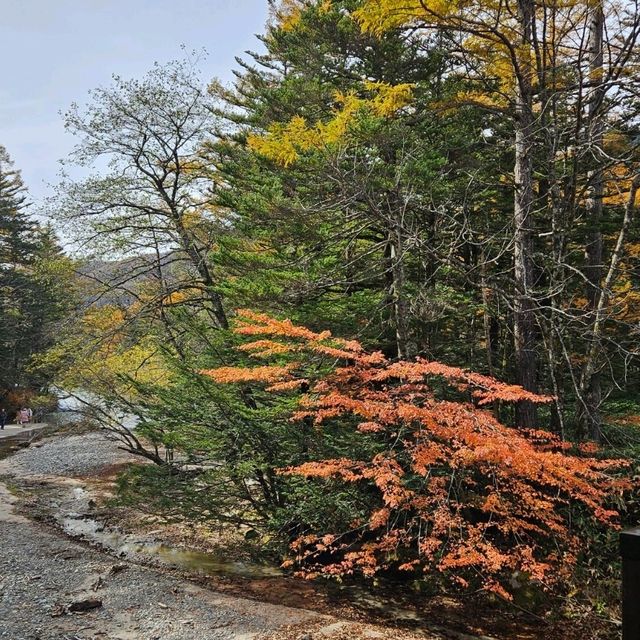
{"x":132,"y":548}
{"x":79,"y":404}
{"x":20,"y":440}
{"x":127,"y":546}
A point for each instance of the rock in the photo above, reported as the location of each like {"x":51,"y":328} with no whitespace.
{"x":117,"y":568}
{"x":86,"y":604}
{"x":329,"y":630}
{"x":97,"y":583}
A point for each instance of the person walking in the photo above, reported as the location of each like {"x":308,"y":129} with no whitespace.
{"x":3,"y":417}
{"x":23,"y":416}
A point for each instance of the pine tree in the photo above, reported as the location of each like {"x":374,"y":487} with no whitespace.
{"x":16,"y":243}
{"x":361,"y":238}
{"x":32,"y":297}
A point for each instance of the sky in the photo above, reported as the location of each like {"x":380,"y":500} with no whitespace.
{"x":55,"y":51}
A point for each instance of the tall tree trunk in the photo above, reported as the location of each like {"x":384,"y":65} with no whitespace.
{"x":599,"y":316}
{"x":406,"y":347}
{"x":490,"y":322}
{"x":524,"y":311}
{"x":196,"y":254}
{"x":592,"y":392}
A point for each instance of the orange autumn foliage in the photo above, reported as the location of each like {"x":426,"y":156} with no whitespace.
{"x":254,"y":374}
{"x":455,"y":490}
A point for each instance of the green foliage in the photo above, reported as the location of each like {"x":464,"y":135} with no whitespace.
{"x":34,"y":288}
{"x":226,"y":443}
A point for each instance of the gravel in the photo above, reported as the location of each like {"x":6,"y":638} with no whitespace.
{"x":45,"y":576}
{"x":67,"y":456}
{"x":42,"y":574}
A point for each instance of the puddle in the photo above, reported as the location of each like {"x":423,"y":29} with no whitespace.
{"x":126,"y":546}
{"x":209,"y":564}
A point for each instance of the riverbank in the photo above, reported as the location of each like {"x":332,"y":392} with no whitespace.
{"x":12,"y":430}
{"x":56,"y":583}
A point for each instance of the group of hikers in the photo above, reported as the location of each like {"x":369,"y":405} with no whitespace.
{"x":23,"y":416}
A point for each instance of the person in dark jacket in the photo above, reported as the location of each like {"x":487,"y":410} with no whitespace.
{"x":3,"y":417}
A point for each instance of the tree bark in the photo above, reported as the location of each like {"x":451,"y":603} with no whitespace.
{"x":189,"y":245}
{"x":524,"y":309}
{"x":406,"y":347}
{"x":592,"y":392}
{"x":599,"y":317}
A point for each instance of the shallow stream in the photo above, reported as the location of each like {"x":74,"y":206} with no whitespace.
{"x":128,"y":546}
{"x":13,"y":443}
{"x":139,"y":548}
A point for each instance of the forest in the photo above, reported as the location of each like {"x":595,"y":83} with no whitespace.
{"x":375,"y":305}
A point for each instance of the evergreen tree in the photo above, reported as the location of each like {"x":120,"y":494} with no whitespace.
{"x":353,"y":233}
{"x":34,"y":288}
{"x":16,"y":242}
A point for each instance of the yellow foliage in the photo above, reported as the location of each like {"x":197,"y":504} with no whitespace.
{"x":388,"y":99}
{"x":497,"y":59}
{"x":284,"y":142}
{"x":477,"y":16}
{"x":184,"y":295}
{"x":618,"y":187}
{"x":378,"y":16}
{"x":626,"y":300}
{"x":616,"y":143}
{"x":102,"y":354}
{"x":632,"y":249}
{"x":287,"y":13}
{"x":493,"y":33}
{"x":140,"y":362}
{"x":103,"y":323}
{"x":105,"y":367}
{"x":476,"y":98}
{"x":192,"y":220}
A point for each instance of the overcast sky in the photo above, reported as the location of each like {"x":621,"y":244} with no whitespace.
{"x":55,"y":51}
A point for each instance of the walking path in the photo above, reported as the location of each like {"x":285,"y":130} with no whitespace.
{"x":16,"y":429}
{"x":45,"y":578}
{"x":52,"y":588}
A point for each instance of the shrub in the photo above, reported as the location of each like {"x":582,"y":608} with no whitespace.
{"x":447,"y":489}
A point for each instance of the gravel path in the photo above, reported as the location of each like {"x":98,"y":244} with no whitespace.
{"x":42,"y":575}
